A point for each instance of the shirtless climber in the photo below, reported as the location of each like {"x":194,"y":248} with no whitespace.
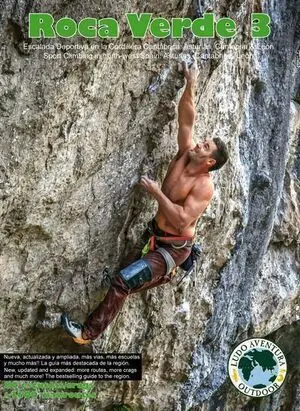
{"x":185,"y":193}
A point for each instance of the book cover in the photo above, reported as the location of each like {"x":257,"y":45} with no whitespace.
{"x":149,"y":185}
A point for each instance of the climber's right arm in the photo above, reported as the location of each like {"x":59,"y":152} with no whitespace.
{"x":186,"y":109}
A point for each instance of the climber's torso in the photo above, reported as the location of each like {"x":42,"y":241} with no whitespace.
{"x":177,"y":186}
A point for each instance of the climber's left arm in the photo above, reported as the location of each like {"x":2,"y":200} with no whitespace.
{"x":186,"y":108}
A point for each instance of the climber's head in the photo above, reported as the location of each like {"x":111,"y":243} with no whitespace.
{"x":201,"y":154}
{"x":220,"y":155}
{"x":209,"y":155}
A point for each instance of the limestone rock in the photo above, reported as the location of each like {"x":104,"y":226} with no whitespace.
{"x":76,"y":135}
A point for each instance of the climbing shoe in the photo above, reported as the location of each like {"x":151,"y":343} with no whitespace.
{"x":73,"y":329}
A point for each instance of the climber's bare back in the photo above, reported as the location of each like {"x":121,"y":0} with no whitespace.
{"x":194,"y":193}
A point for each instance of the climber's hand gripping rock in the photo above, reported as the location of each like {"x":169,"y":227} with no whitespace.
{"x":191,"y":73}
{"x":149,"y":185}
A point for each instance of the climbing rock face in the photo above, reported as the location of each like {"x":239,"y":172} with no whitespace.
{"x":76,"y":135}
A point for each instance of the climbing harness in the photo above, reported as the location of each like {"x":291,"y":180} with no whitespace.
{"x":158,"y":237}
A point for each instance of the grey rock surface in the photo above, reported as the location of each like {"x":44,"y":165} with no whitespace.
{"x":76,"y":135}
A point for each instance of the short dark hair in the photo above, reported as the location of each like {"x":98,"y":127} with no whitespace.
{"x":220,"y":155}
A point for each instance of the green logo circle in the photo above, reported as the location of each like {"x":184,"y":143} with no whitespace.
{"x":257,"y":367}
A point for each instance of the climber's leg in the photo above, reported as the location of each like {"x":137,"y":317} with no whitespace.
{"x":101,"y":317}
{"x":143,"y":274}
{"x":129,"y":278}
{"x":106,"y":311}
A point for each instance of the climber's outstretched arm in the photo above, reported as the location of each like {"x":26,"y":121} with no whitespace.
{"x":186,"y":108}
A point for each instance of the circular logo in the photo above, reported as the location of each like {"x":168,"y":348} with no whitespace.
{"x":257,"y":367}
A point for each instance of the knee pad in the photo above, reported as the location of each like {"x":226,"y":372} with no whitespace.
{"x":136,"y":273}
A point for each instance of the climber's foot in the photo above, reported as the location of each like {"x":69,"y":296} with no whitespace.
{"x":73,"y":329}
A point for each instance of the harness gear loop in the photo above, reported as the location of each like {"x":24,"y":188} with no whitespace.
{"x":175,"y":242}
{"x":179,"y":246}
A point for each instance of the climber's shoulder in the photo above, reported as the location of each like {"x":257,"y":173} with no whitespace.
{"x":183,"y":152}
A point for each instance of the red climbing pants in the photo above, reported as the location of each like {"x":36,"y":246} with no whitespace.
{"x":106,"y":311}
